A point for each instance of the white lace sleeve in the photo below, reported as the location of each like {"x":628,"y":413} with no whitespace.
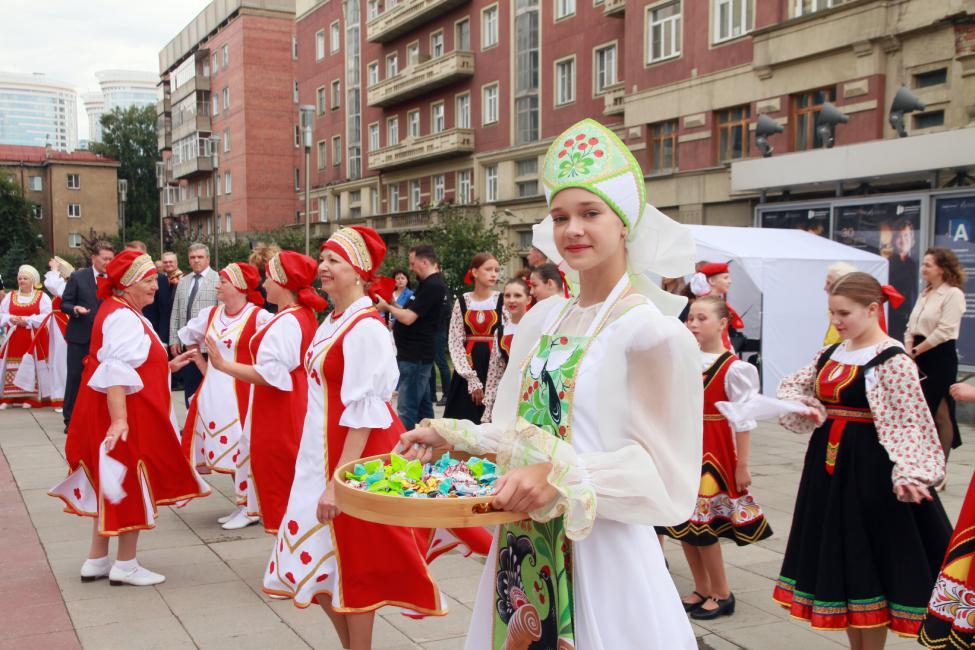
{"x":800,"y":387}
{"x":280,"y":352}
{"x":54,"y":283}
{"x":125,"y":347}
{"x":370,"y":376}
{"x":194,"y":332}
{"x":742,"y":385}
{"x":5,"y":309}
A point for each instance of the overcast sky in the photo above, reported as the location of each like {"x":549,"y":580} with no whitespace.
{"x":69,"y":40}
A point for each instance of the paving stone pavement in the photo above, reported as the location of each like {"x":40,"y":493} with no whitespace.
{"x":212,"y":597}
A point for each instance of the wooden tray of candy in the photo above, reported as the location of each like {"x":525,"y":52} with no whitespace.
{"x":395,"y":510}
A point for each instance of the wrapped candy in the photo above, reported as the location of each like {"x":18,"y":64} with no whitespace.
{"x":446,"y":478}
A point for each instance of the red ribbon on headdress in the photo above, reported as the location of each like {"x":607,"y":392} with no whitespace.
{"x":469,"y":277}
{"x":381,"y":287}
{"x":892,"y":295}
{"x":565,"y":285}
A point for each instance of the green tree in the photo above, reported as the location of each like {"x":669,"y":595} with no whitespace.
{"x":21,"y":240}
{"x":129,"y":136}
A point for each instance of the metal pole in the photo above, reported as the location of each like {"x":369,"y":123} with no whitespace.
{"x":216,"y":235}
{"x":121,"y":207}
{"x":307,"y":202}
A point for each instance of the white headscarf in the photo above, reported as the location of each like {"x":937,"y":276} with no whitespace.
{"x":30,"y":272}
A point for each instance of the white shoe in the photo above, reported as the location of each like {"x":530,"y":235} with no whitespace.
{"x":95,"y":569}
{"x":240,"y":520}
{"x":228,"y":517}
{"x":59,"y":410}
{"x":137,"y":577}
{"x":4,"y":406}
{"x":25,"y":405}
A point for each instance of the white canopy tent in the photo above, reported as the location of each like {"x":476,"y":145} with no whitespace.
{"x":777,"y":288}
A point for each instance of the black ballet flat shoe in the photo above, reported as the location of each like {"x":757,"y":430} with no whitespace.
{"x":690,"y":607}
{"x":726,"y":607}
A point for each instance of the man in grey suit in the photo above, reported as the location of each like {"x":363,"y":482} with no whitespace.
{"x":196,"y":290}
{"x":80,"y":302}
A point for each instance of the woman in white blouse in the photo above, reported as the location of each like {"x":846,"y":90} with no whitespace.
{"x":932,"y":330}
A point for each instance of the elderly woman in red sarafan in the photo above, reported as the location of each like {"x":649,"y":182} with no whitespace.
{"x":123,"y":447}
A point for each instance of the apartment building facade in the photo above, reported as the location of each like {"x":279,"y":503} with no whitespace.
{"x":74,"y":194}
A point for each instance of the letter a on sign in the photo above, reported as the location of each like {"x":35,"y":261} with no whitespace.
{"x":960,"y":230}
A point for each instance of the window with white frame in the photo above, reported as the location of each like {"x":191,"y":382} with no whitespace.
{"x":464,"y":186}
{"x":437,"y":117}
{"x":74,"y":240}
{"x":663,"y":32}
{"x":297,"y":136}
{"x":226,"y":140}
{"x":225,"y":52}
{"x":337,"y":201}
{"x":462,"y":35}
{"x":489,"y":104}
{"x":294,"y":48}
{"x":373,"y":137}
{"x":226,"y":182}
{"x":372,"y":76}
{"x":334,"y":36}
{"x":228,"y":222}
{"x":218,"y":185}
{"x":215,"y":109}
{"x":36,"y":211}
{"x":320,"y":45}
{"x":321,"y":154}
{"x":463,"y":114}
{"x":393,"y":198}
{"x":491,"y":183}
{"x":804,"y":7}
{"x":337,"y":150}
{"x":372,"y":9}
{"x":565,"y":81}
{"x":413,"y":124}
{"x":605,"y":69}
{"x":412,"y":54}
{"x":392,"y":131}
{"x":374,"y":201}
{"x":415,"y":194}
{"x":489,"y":27}
{"x":226,"y":98}
{"x":74,"y":210}
{"x":36,"y":183}
{"x":439,"y":187}
{"x":336,"y":98}
{"x":392,"y":65}
{"x":294,"y":92}
{"x":297,"y":179}
{"x":320,"y":100}
{"x":733,"y":18}
{"x":564,"y":8}
{"x":436,"y":44}
{"x":323,"y":209}
{"x":74,"y":181}
{"x":213,"y":63}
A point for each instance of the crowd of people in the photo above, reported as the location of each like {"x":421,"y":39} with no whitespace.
{"x":612,"y":421}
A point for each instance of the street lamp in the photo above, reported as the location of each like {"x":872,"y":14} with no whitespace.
{"x":214,"y":143}
{"x":765,"y":127}
{"x":829,"y":117}
{"x":904,"y":102}
{"x":307,"y":116}
{"x":123,"y":188}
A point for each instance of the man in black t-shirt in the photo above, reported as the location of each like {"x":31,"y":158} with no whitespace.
{"x":415,"y":333}
{"x":440,"y":350}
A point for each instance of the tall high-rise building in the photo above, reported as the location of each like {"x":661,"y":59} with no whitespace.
{"x":119,"y":89}
{"x":37,"y":111}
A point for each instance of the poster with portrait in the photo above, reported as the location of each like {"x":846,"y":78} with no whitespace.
{"x":810,"y":218}
{"x":954,"y":228}
{"x":890,"y":229}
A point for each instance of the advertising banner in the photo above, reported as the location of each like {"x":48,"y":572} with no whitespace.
{"x":814,"y":219}
{"x":954,"y":220}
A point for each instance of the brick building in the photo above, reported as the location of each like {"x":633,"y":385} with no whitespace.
{"x":228,"y":75}
{"x":73,"y":193}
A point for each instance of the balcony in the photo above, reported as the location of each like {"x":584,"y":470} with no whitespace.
{"x":405,"y":16}
{"x":614,"y":7}
{"x":193,"y":204}
{"x":193,"y":166}
{"x":191,"y":124}
{"x":397,"y":222}
{"x":164,"y":105}
{"x":613,"y":99}
{"x":421,"y":78}
{"x":196,"y":83}
{"x":452,"y":142}
{"x":164,"y":132}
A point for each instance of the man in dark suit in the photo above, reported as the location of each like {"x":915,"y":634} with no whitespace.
{"x":160,"y":311}
{"x":80,"y":302}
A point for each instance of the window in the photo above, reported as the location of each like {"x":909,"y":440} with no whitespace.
{"x":373,"y":137}
{"x":805,"y":110}
{"x":36,"y":211}
{"x":415,"y":194}
{"x":74,"y":240}
{"x":804,"y":7}
{"x":392,"y":65}
{"x":931,"y":78}
{"x":336,"y":99}
{"x":372,"y":77}
{"x":413,"y":124}
{"x":564,"y":8}
{"x":213,"y":63}
{"x":527,"y":188}
{"x":320,"y":100}
{"x":334,"y":36}
{"x":462,"y":35}
{"x":74,"y":181}
{"x":337,"y":150}
{"x":321,"y":154}
{"x":663,"y":32}
{"x":491,"y":183}
{"x":436,"y":44}
{"x":374,"y":201}
{"x":294,"y":48}
{"x":489,"y":27}
{"x":215,"y":109}
{"x":372,"y":9}
{"x":394,"y":198}
{"x":526,"y":167}
{"x":355,"y":197}
{"x":437,"y":117}
{"x":525,"y":238}
{"x":226,"y":98}
{"x":392,"y":131}
{"x":929,"y":120}
{"x":36,"y":183}
{"x":226,"y":140}
{"x":565,"y":81}
{"x":228,"y":222}
{"x":412,"y":54}
{"x":526,"y":71}
{"x":733,"y":18}
{"x":297,"y":136}
{"x":294,"y":92}
{"x":464,"y":186}
{"x":320,"y":45}
{"x":463,"y":114}
{"x":605,"y":67}
{"x":337,"y":200}
{"x":663,"y":145}
{"x":218,"y":185}
{"x":323,"y":210}
{"x":74,"y":210}
{"x":490,"y":104}
{"x":225,"y":52}
{"x":226,"y":182}
{"x":297,"y":179}
{"x":439,"y":188}
{"x":732,"y":130}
